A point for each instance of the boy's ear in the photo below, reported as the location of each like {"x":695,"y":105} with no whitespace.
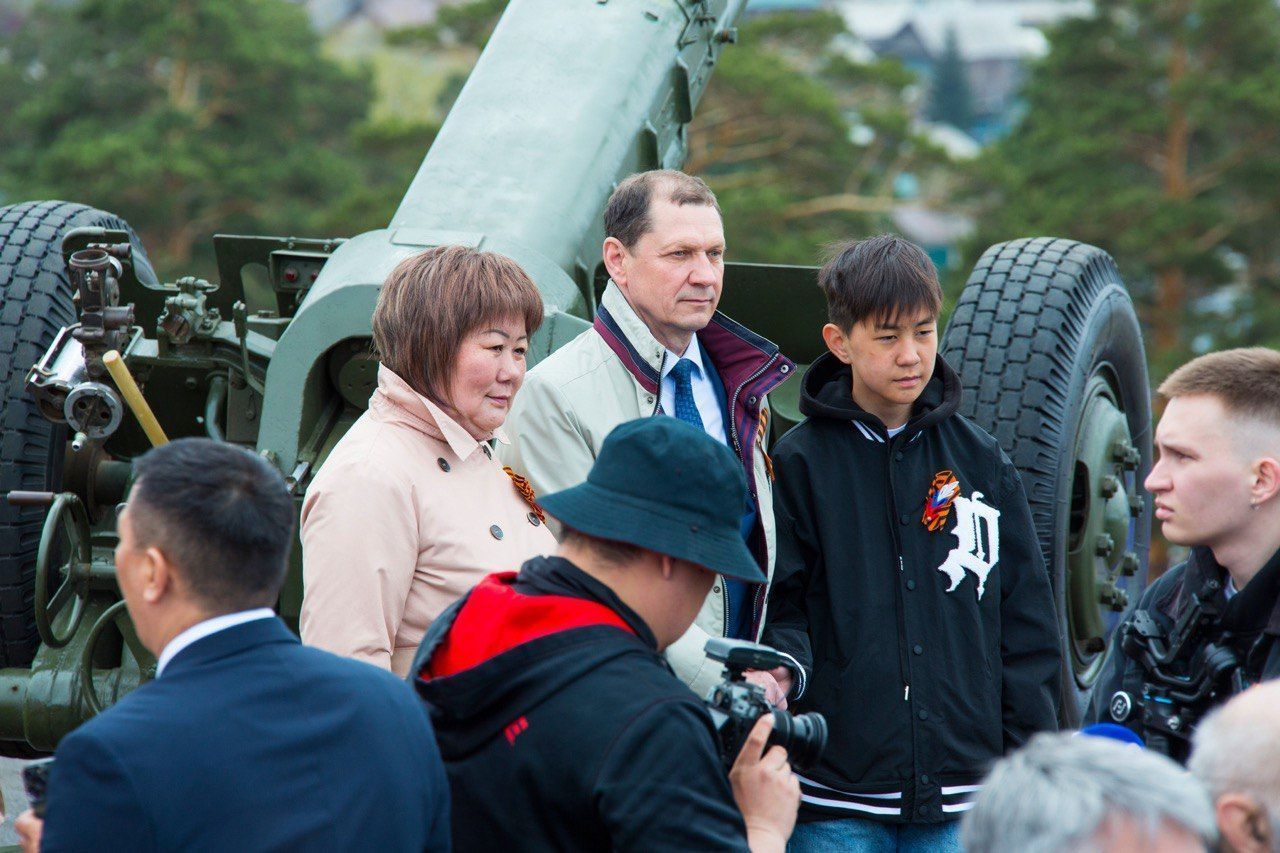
{"x":837,"y":342}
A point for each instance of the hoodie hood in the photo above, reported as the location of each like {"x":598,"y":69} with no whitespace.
{"x":827,"y":392}
{"x":515,"y":641}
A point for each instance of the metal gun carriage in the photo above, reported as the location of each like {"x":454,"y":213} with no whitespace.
{"x":100,"y":358}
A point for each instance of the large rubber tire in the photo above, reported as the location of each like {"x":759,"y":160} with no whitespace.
{"x":1043,"y":331}
{"x":35,"y":303}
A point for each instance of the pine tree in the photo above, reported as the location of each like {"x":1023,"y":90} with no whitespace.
{"x":802,"y":144}
{"x":950,"y":100}
{"x":1151,"y":130}
{"x":189,"y":117}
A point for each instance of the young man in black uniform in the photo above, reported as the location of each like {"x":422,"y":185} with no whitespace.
{"x":561,"y":725}
{"x":909,"y":581}
{"x":1215,"y":487}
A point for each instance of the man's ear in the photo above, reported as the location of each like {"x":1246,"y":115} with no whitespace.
{"x":157,"y":575}
{"x":1266,"y":480}
{"x":614,"y":253}
{"x":837,"y":342}
{"x":1243,"y":824}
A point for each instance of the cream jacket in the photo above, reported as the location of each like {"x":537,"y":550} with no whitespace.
{"x":609,"y":374}
{"x":404,"y":517}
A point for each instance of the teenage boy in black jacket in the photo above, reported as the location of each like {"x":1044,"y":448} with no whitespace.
{"x":909,"y":582}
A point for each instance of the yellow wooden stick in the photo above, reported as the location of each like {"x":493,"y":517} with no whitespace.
{"x":133,"y":398}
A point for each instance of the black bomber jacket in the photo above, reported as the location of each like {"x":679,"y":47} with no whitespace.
{"x":910,"y":584}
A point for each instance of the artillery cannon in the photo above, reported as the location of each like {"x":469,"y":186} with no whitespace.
{"x":100,"y":359}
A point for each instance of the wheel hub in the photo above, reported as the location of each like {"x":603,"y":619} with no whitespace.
{"x":1104,"y":502}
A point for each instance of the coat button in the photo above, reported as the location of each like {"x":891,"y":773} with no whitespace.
{"x":443,"y":463}
{"x":924,"y":778}
{"x":752,"y":399}
{"x":924,"y":715}
{"x":923,"y":809}
{"x":898,"y":456}
{"x":911,"y":584}
{"x":786,"y":368}
{"x":648,"y":398}
{"x":918,"y":649}
{"x":496,"y":531}
{"x":715,"y":588}
{"x":905,"y":519}
{"x":533,"y":519}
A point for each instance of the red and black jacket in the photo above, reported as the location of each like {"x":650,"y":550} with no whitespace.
{"x":562,"y":728}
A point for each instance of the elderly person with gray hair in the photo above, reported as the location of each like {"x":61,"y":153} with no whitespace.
{"x":1064,"y":793}
{"x":1236,"y":753}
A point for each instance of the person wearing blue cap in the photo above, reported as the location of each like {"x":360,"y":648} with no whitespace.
{"x":561,"y":725}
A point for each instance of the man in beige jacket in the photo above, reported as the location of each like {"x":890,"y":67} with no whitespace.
{"x":659,"y":346}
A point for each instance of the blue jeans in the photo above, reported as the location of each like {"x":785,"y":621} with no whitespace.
{"x":869,"y":836}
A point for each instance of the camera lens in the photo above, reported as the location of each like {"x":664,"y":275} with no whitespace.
{"x":804,"y":737}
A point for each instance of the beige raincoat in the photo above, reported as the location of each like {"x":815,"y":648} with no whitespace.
{"x":406,"y":515}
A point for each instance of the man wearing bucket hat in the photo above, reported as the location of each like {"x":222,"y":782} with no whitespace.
{"x":560,"y":723}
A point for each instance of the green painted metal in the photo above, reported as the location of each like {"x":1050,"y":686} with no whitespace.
{"x":41,"y":704}
{"x":66,"y":534}
{"x":115,"y":617}
{"x":785,"y":303}
{"x":567,"y":99}
{"x":1102,"y":508}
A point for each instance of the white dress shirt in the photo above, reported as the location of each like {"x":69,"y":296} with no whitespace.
{"x":200,"y":630}
{"x":704,"y":393}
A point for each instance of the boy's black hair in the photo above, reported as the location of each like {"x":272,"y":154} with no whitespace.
{"x":221,"y":515}
{"x":882,"y":278}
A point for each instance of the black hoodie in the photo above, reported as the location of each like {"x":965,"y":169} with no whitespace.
{"x":561,"y":726}
{"x":910,"y":583}
{"x":1249,"y":624}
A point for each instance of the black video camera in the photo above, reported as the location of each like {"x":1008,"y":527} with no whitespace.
{"x":1187,"y":671}
{"x":736,"y":704}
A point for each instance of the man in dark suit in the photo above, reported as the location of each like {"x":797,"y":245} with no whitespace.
{"x":245,"y":740}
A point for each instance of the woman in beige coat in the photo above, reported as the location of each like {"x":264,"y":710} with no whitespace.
{"x":411,"y":508}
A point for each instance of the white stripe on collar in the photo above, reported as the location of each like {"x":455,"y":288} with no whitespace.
{"x":867,"y":433}
{"x":870,"y":435}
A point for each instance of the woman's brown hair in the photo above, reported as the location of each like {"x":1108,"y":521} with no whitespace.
{"x":433,"y":300}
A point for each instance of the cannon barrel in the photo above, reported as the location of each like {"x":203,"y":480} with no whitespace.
{"x":566,"y":99}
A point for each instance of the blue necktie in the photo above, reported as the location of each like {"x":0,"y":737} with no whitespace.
{"x":737,"y":617}
{"x":686,"y":408}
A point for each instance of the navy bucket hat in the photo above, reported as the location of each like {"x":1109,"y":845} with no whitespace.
{"x":666,"y":486}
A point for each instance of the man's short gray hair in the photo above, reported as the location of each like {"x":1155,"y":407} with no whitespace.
{"x":1061,"y":791}
{"x":626,"y":214}
{"x":1236,"y":749}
